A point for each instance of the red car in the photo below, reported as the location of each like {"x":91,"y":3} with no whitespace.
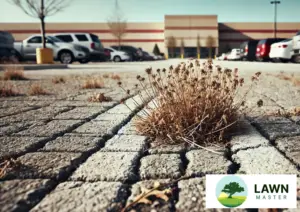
{"x":263,"y":48}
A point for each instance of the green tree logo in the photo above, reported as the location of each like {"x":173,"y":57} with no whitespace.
{"x":231,"y":191}
{"x":232,"y":188}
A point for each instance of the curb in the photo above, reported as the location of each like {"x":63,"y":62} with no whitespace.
{"x":34,"y":66}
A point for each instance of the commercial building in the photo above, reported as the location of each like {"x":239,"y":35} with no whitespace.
{"x":186,"y":29}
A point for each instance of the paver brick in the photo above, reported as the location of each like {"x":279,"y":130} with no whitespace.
{"x":84,"y":104}
{"x":108,"y":166}
{"x":290,"y":146}
{"x":50,"y":165}
{"x":276,"y":127}
{"x":121,"y":118}
{"x":166,"y":149}
{"x":191,"y":195}
{"x":44,"y":113}
{"x":21,"y":195}
{"x":73,"y":144}
{"x":52,"y":128}
{"x":14,"y":110}
{"x":82,"y":196}
{"x":14,"y":146}
{"x":126,"y":143}
{"x":121,"y":109}
{"x":129,"y":129}
{"x":202,"y":162}
{"x":263,"y":160}
{"x":80,"y":113}
{"x":98,"y":128}
{"x":247,"y":137}
{"x":8,"y":129}
{"x":157,"y":205}
{"x":164,"y":166}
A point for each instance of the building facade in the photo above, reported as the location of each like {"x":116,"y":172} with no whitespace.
{"x":186,"y":29}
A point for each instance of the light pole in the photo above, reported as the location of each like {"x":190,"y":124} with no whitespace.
{"x":275,"y":16}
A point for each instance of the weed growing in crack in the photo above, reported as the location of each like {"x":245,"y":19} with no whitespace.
{"x":100,"y":98}
{"x":58,"y":80}
{"x":93,"y":84}
{"x":193,"y":103}
{"x":7,"y":90}
{"x":36,"y":90}
{"x":116,"y":77}
{"x":14,"y":73}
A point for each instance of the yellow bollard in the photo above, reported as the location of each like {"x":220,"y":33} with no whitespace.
{"x":166,"y":56}
{"x":182,"y":56}
{"x":44,"y":56}
{"x":215,"y":56}
{"x":198,"y":56}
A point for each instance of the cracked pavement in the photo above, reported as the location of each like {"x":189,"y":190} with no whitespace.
{"x":82,"y":156}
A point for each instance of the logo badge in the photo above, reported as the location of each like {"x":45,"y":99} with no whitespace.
{"x":231,"y":191}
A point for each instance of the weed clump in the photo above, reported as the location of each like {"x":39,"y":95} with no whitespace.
{"x":7,"y":90}
{"x":36,"y":90}
{"x":100,"y":98}
{"x":116,"y":77}
{"x":14,"y":73}
{"x":93,"y":84}
{"x":192,"y":103}
{"x":58,"y":80}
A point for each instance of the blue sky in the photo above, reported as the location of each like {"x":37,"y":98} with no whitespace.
{"x":154,"y":10}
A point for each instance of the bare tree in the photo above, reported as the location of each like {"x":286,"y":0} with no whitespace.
{"x":171,"y":44}
{"x":198,"y":45}
{"x":117,"y":23}
{"x":210,"y":43}
{"x":41,"y":9}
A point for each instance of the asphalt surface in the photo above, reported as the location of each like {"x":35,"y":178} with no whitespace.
{"x":136,"y":67}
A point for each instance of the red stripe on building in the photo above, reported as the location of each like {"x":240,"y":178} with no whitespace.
{"x":33,"y":31}
{"x":191,"y":28}
{"x":132,"y":40}
{"x":257,"y":31}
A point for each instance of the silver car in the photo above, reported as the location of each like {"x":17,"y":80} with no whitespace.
{"x":64,"y":52}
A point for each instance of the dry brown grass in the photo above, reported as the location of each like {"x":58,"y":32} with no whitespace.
{"x":115,"y":77}
{"x":295,"y":80}
{"x":105,"y":76}
{"x":193,"y":103}
{"x":93,"y":84}
{"x":14,"y":73}
{"x":36,"y":90}
{"x":7,"y":166}
{"x":8,"y":90}
{"x":58,"y":80}
{"x":99,"y":98}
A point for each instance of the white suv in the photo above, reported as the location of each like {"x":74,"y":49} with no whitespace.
{"x":296,"y":48}
{"x":88,"y":40}
{"x":117,"y":56}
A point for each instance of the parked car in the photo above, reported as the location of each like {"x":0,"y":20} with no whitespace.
{"x":107,"y":53}
{"x":147,"y":56}
{"x":134,"y":53}
{"x":88,"y":40}
{"x":296,"y":48}
{"x":235,"y":54}
{"x":222,"y":57}
{"x":263,"y":48}
{"x":282,"y":51}
{"x":64,"y":52}
{"x":248,"y":50}
{"x":155,"y":57}
{"x":117,"y":56}
{"x":6,"y":45}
